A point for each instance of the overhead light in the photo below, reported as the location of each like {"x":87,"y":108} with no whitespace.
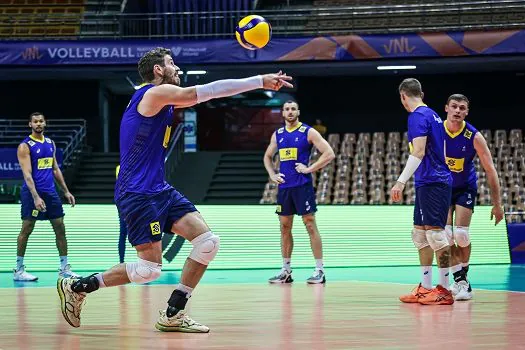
{"x":180,"y":72}
{"x":195,"y":72}
{"x":395,"y":67}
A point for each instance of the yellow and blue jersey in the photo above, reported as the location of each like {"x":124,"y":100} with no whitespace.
{"x":460,"y":153}
{"x":42,"y":153}
{"x":293,"y":147}
{"x":143,"y":145}
{"x":424,"y":121}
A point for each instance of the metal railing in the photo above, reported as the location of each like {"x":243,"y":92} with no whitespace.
{"x":458,"y":15}
{"x":75,"y":138}
{"x":175,"y":151}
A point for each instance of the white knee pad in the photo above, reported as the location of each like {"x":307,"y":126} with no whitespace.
{"x":419,"y":238}
{"x":450,"y":235}
{"x":143,"y":271}
{"x":205,"y":247}
{"x":437,"y":239}
{"x":462,"y":237}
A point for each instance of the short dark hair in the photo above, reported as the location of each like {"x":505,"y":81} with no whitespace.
{"x":149,"y":60}
{"x":34,"y":114}
{"x":459,"y":98}
{"x":411,"y":87}
{"x":291,"y":101}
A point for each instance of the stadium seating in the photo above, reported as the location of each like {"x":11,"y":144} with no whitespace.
{"x":367,"y":166}
{"x":39,"y":18}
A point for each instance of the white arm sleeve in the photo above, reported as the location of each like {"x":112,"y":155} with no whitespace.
{"x":228,"y":87}
{"x":410,"y":169}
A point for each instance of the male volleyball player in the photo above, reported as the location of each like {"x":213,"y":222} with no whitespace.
{"x":148,"y":204}
{"x":433,"y":181}
{"x":464,"y":142}
{"x":39,"y":198}
{"x":296,"y":193}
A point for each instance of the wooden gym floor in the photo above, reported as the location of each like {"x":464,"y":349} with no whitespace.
{"x":351,"y":311}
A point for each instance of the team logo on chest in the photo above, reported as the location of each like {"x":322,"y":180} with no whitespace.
{"x":468,"y":134}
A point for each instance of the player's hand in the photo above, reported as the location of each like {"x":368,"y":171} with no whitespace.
{"x":277,"y":178}
{"x":301,"y":168}
{"x":396,"y":193}
{"x":276,"y":81}
{"x":40,"y":205}
{"x":70,"y":198}
{"x":497,"y":213}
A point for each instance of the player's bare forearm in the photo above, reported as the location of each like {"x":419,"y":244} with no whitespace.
{"x":60,"y":180}
{"x":493,"y":181}
{"x":323,"y":161}
{"x":268,"y":165}
{"x":28,"y":178}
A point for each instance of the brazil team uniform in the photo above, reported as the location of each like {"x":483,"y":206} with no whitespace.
{"x":42,"y":158}
{"x":146,"y":202}
{"x":296,"y":195}
{"x":460,"y":155}
{"x":432,"y":178}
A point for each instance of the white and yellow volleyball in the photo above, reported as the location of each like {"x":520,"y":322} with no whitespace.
{"x":253,"y":32}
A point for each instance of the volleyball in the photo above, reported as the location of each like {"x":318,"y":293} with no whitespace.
{"x":253,"y":32}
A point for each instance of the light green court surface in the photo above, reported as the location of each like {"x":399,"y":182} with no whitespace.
{"x":353,"y":236}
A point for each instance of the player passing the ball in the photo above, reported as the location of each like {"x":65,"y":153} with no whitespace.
{"x":146,"y":202}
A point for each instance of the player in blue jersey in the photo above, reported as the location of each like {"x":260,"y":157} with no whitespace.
{"x":433,"y":181}
{"x":39,"y":198}
{"x":464,"y":142}
{"x":146,"y":202}
{"x":296,"y":193}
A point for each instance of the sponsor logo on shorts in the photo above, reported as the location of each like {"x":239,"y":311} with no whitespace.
{"x":34,"y":213}
{"x":469,"y":202}
{"x":278,"y":209}
{"x":155,"y":228}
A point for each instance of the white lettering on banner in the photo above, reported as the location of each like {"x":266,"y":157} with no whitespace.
{"x":10,"y":166}
{"x":92,"y":52}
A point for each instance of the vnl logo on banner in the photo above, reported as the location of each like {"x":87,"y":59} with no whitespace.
{"x":190,"y":130}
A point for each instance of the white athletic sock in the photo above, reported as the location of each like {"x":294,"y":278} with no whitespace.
{"x":19,"y":262}
{"x":443,"y":276}
{"x":456,"y":268}
{"x":101,"y":283}
{"x":185,"y":289}
{"x":426,"y":277}
{"x":63,"y":262}
{"x":287,"y":264}
{"x":319,"y":264}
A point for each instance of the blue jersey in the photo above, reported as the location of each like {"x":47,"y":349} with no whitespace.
{"x":423,"y":121}
{"x":42,"y":153}
{"x":143,"y":145}
{"x":460,"y":155}
{"x":293,"y":148}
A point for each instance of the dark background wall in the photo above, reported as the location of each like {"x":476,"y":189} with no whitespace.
{"x":344,"y":104}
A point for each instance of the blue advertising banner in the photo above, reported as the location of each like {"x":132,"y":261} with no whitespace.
{"x":9,"y":166}
{"x":330,"y":48}
{"x":516,"y":234}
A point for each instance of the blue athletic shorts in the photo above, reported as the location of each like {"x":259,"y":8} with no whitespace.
{"x":53,"y":203}
{"x":298,"y":200}
{"x":432,"y":204}
{"x":465,"y":197}
{"x":148,"y":216}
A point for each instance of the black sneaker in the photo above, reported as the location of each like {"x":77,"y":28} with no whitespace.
{"x":317,"y":278}
{"x":284,"y":276}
